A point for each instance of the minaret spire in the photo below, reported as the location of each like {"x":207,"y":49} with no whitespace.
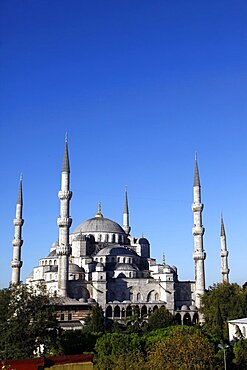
{"x":16,"y":262}
{"x":64,"y":222}
{"x":224,"y":253}
{"x":199,"y":254}
{"x":126,"y":225}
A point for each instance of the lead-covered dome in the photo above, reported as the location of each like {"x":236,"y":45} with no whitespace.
{"x":99,"y":224}
{"x":116,"y":251}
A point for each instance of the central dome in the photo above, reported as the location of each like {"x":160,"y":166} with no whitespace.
{"x":99,"y":224}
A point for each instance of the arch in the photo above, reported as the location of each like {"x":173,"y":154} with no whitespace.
{"x":80,"y":292}
{"x":128,"y":311}
{"x":187,"y":319}
{"x":99,"y":237}
{"x":151,"y":296}
{"x":144,"y":311}
{"x":108,"y":311}
{"x":113,"y":238}
{"x":55,"y":262}
{"x":45,"y":262}
{"x":117,"y":311}
{"x":137,"y":311}
{"x":155,"y":308}
{"x":121,"y":275}
{"x":123,"y":312}
{"x":138,"y":297}
{"x":195,"y":318}
{"x":106,"y":237}
{"x":178,"y":318}
{"x":124,"y":260}
{"x":101,"y":259}
{"x":50,"y":262}
{"x":156,"y":297}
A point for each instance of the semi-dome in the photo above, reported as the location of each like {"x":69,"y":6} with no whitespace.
{"x":116,"y":251}
{"x":75,"y":269}
{"x":99,"y":224}
{"x":53,"y":253}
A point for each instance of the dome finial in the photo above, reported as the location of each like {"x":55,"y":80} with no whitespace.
{"x":99,"y":214}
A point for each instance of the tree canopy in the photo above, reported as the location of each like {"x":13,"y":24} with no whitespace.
{"x":27,"y":322}
{"x":223,"y":302}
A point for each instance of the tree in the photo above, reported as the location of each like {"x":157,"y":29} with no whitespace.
{"x":119,"y":351}
{"x":240,"y":353}
{"x":223,"y":302}
{"x":94,"y":322}
{"x":27,"y":322}
{"x":183,"y":348}
{"x":161,"y":318}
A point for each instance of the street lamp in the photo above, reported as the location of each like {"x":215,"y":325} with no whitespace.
{"x":224,"y":349}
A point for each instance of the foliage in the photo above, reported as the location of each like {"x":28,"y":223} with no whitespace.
{"x":240,"y":352}
{"x":161,"y":318}
{"x":27,"y":322}
{"x":223,"y":302}
{"x":75,"y":342}
{"x":116,"y":351}
{"x":94,"y":322}
{"x":185,"y":348}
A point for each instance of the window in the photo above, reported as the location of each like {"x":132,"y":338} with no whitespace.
{"x":69,"y":316}
{"x":62,"y":317}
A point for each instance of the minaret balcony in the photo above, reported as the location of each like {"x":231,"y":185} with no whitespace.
{"x":224,"y":253}
{"x":63,"y":250}
{"x":18,"y":221}
{"x":199,"y":255}
{"x":64,"y":221}
{"x":225,"y":271}
{"x":64,"y":195}
{"x":197,"y":207}
{"x":16,"y":264}
{"x":198,"y":230}
{"x":17,"y":242}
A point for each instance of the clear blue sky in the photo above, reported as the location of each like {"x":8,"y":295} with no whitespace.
{"x":139,"y":86}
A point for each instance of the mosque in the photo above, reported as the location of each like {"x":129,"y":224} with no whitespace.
{"x":101,"y":261}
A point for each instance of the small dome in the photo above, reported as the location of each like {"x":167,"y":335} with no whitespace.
{"x":75,"y":269}
{"x":116,"y":251}
{"x":52,"y":254}
{"x":193,"y":308}
{"x":125,"y":267}
{"x":99,"y":224}
{"x":91,"y":300}
{"x":143,"y":241}
{"x":82,"y":300}
{"x":184,"y":308}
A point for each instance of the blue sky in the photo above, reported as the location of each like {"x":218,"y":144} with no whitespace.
{"x":140,"y":86}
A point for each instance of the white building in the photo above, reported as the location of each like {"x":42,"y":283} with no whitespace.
{"x":101,"y":261}
{"x":237,"y":329}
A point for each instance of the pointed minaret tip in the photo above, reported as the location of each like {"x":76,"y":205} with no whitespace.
{"x":222,"y":227}
{"x":126,"y":206}
{"x":99,"y":214}
{"x":20,"y":197}
{"x":66,"y":167}
{"x":196,"y":173}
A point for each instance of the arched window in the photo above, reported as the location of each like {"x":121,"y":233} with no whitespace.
{"x":46,"y":262}
{"x":55,"y":262}
{"x":106,"y":237}
{"x":138,"y":297}
{"x":117,"y":311}
{"x":113,"y":238}
{"x":143,"y":311}
{"x":187,"y":319}
{"x":128,"y":311}
{"x":108,"y":311}
{"x":156,"y":297}
{"x":50,"y":262}
{"x":124,"y":260}
{"x":195,"y":318}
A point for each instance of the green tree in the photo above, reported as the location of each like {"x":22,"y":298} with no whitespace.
{"x":94,"y":322}
{"x":27,"y":322}
{"x":240,"y":353}
{"x":222,"y":302}
{"x":119,"y":351}
{"x":183,"y":348}
{"x":161,"y":318}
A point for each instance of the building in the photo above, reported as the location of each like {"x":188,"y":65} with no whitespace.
{"x":237,"y":329}
{"x":101,"y":261}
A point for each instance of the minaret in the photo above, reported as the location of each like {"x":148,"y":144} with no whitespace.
{"x":18,"y":221}
{"x":199,"y":255}
{"x":126,"y":225}
{"x":224,"y":254}
{"x":64,"y":222}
